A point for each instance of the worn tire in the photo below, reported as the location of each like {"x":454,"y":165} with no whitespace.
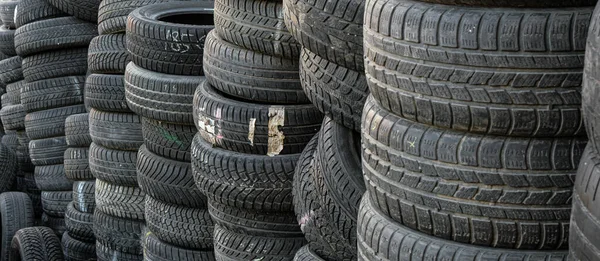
{"x":531,"y":189}
{"x":112,"y":14}
{"x":105,"y":253}
{"x":52,"y":93}
{"x":160,"y":96}
{"x":85,"y":10}
{"x":244,"y":126}
{"x":61,"y":63}
{"x":77,"y":165}
{"x":120,"y":201}
{"x":14,"y":92}
{"x":30,"y":11}
{"x":76,"y":250}
{"x":157,"y":250}
{"x":374,"y":226}
{"x":77,"y":130}
{"x":333,"y":29}
{"x":13,"y":117}
{"x":55,"y":203}
{"x":36,"y":243}
{"x":10,"y":70}
{"x":16,"y":210}
{"x":590,"y":91}
{"x":84,"y":199}
{"x":336,"y":91}
{"x":243,"y":180}
{"x":53,"y":34}
{"x":106,"y":92}
{"x":251,"y":75}
{"x":115,"y":130}
{"x":108,"y":54}
{"x":52,"y":178}
{"x":50,"y":123}
{"x":114,"y":166}
{"x":7,"y":40}
{"x":118,"y":234}
{"x":47,"y":151}
{"x":169,"y":46}
{"x":305,"y":254}
{"x":10,"y":141}
{"x":80,"y":224}
{"x":447,"y":87}
{"x":185,"y":227}
{"x":167,"y":140}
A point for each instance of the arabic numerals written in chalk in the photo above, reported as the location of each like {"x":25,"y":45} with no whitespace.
{"x":183,"y":42}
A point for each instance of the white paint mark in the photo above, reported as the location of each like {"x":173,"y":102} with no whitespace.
{"x":251,"y":129}
{"x":276,"y":137}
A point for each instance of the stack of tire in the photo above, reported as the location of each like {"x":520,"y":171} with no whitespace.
{"x":53,"y":46}
{"x":585,"y":215}
{"x":328,"y":183}
{"x":79,"y":242}
{"x":473,"y":131}
{"x":254,"y":120}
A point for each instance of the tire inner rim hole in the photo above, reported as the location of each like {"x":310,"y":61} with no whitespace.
{"x":189,"y":18}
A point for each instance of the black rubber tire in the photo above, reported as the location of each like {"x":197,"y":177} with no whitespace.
{"x":531,"y":185}
{"x":104,"y":253}
{"x":7,"y":40}
{"x":250,"y":75}
{"x":12,"y":117}
{"x":57,"y":224}
{"x":116,"y":130}
{"x":55,"y":203}
{"x":24,"y":159}
{"x":374,"y":226}
{"x":333,"y":30}
{"x":243,"y":180}
{"x":10,"y":70}
{"x":52,"y":93}
{"x":118,"y":234}
{"x":539,"y":75}
{"x":7,"y":12}
{"x":53,"y":34}
{"x":84,"y":199}
{"x":47,"y":151}
{"x":339,"y":177}
{"x":77,"y":165}
{"x":305,"y":254}
{"x":167,"y":140}
{"x":80,"y":224}
{"x":36,"y":243}
{"x":85,"y":10}
{"x":255,"y":25}
{"x":52,"y":178}
{"x":244,"y":127}
{"x":186,"y":227}
{"x":156,"y":250}
{"x":114,"y":166}
{"x":112,"y":14}
{"x":585,"y":215}
{"x":66,"y":62}
{"x":590,"y":91}
{"x":50,"y":123}
{"x":519,"y":4}
{"x":319,"y":232}
{"x":336,"y":91}
{"x":160,"y":96}
{"x":108,"y":54}
{"x":29,"y":11}
{"x":171,"y":45}
{"x":7,"y":100}
{"x":77,"y":130}
{"x":168,"y":180}
{"x":231,"y":246}
{"x":16,"y":211}
{"x":10,"y":141}
{"x":106,"y":92}
{"x":119,"y":201}
{"x":75,"y":250}
{"x":14,"y":92}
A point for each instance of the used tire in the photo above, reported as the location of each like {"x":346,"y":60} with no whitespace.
{"x":50,"y":123}
{"x":52,"y":178}
{"x":14,"y":92}
{"x":167,"y":140}
{"x":156,"y":250}
{"x":53,"y":34}
{"x":84,"y":199}
{"x":8,"y":168}
{"x":253,"y":128}
{"x":7,"y":12}
{"x":55,"y":203}
{"x":76,"y":250}
{"x":306,"y":254}
{"x":57,"y":224}
{"x":105,"y":253}
{"x":119,"y":201}
{"x":112,"y":14}
{"x":178,"y":50}
{"x":114,"y":166}
{"x":52,"y":93}
{"x":66,"y":62}
{"x":13,"y":117}
{"x":106,"y":92}
{"x":80,"y":224}
{"x":30,"y":11}
{"x":47,"y":151}
{"x":509,"y":3}
{"x":35,"y":243}
{"x":160,"y":96}
{"x":16,"y":211}
{"x":10,"y":70}
{"x":118,"y":234}
{"x":114,"y":130}
{"x":250,"y":75}
{"x":77,"y":130}
{"x":7,"y":40}
{"x":85,"y":10}
{"x":76,"y":164}
{"x":108,"y":54}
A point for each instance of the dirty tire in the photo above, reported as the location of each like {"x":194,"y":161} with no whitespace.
{"x":36,"y":243}
{"x":77,"y":164}
{"x":76,"y":250}
{"x":183,"y":52}
{"x":80,"y":224}
{"x":84,"y":199}
{"x":52,"y":178}
{"x":114,"y":166}
{"x":50,"y":123}
{"x":47,"y":151}
{"x":52,"y":93}
{"x":228,"y":123}
{"x":157,"y":250}
{"x":250,"y":75}
{"x":119,"y":201}
{"x":118,"y":234}
{"x":16,"y":210}
{"x":106,"y":92}
{"x":85,"y":10}
{"x":108,"y":54}
{"x":53,"y":34}
{"x":167,"y":140}
{"x":243,"y":180}
{"x":66,"y":62}
{"x":77,"y":130}
{"x":115,"y":130}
